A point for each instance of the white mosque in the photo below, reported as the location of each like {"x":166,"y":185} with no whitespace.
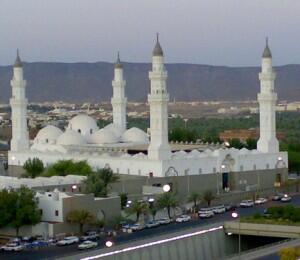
{"x":108,"y":147}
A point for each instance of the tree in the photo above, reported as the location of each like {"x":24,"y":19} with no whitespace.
{"x":99,"y":223}
{"x":289,"y":253}
{"x":251,"y":144}
{"x":80,"y":217}
{"x":7,"y":207}
{"x":208,"y":196}
{"x":108,"y":177}
{"x":94,"y":184}
{"x":124,"y":199}
{"x":167,"y":200}
{"x":24,"y":208}
{"x":33,"y":167}
{"x":67,"y":167}
{"x":137,"y":207}
{"x":194,"y":197}
{"x":153,"y":208}
{"x":236,"y":143}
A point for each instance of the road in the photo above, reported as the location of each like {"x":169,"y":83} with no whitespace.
{"x":54,"y":251}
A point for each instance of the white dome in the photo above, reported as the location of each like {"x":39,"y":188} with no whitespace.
{"x":115,"y":129}
{"x":48,"y":134}
{"x":71,"y":137}
{"x":135,"y":135}
{"x":103,"y":136}
{"x":83,"y":124}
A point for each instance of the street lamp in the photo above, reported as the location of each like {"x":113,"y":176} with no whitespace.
{"x":108,"y":243}
{"x":235,"y":215}
{"x":74,"y":187}
{"x":166,"y":188}
{"x":223,"y":166}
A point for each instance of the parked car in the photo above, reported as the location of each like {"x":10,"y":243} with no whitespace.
{"x":219,"y":209}
{"x":229,"y":207}
{"x":286,"y":198}
{"x":152,"y":224}
{"x":260,"y":201}
{"x":206,"y":213}
{"x":277,"y":196}
{"x":28,"y":239}
{"x":163,"y":221}
{"x":266,"y":214}
{"x":87,"y":245}
{"x":246,"y":203}
{"x":137,"y":227}
{"x":68,"y":241}
{"x":183,"y":218}
{"x":12,"y":247}
{"x":90,"y":235}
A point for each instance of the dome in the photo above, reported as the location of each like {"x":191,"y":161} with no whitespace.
{"x":135,"y":135}
{"x":115,"y":129}
{"x":103,"y":136}
{"x":48,"y":134}
{"x":83,"y":124}
{"x":71,"y":137}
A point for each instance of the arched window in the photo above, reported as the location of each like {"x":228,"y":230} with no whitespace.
{"x":79,"y":131}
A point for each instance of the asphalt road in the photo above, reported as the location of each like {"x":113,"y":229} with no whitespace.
{"x":52,"y":252}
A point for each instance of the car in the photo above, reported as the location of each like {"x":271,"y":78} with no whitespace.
{"x":183,"y":218}
{"x":266,"y":213}
{"x":137,"y":227}
{"x":152,"y":224}
{"x":229,"y":207}
{"x":13,"y":247}
{"x":260,"y":201}
{"x":219,"y":209}
{"x":163,"y":221}
{"x":206,"y":213}
{"x":286,"y":198}
{"x":246,"y":203}
{"x":87,"y":245}
{"x":68,"y":241}
{"x":277,"y":196}
{"x":90,"y":235}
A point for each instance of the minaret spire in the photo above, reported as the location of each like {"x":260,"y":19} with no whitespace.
{"x":18,"y":62}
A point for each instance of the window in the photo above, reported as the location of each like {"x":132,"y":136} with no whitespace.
{"x":128,"y":171}
{"x":186,"y":171}
{"x":64,"y":189}
{"x":91,"y":131}
{"x":47,"y":140}
{"x":214,"y":170}
{"x":79,"y":131}
{"x":56,"y":213}
{"x":139,"y":172}
{"x":241,"y":168}
{"x":200,"y":171}
{"x":79,"y":189}
{"x":267,"y":166}
{"x":118,"y":170}
{"x":254,"y":167}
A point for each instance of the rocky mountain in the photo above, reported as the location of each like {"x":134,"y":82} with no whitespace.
{"x":79,"y":82}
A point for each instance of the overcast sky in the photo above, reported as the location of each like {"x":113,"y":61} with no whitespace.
{"x":216,"y":32}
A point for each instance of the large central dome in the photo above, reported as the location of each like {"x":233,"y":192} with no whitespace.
{"x":83,"y":124}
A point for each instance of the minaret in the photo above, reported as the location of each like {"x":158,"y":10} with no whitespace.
{"x":18,"y":103}
{"x":158,"y":98}
{"x":119,"y":100}
{"x":267,"y":98}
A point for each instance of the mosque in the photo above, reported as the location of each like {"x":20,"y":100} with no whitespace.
{"x":109,"y":146}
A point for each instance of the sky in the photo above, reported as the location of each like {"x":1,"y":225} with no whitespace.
{"x":214,"y":32}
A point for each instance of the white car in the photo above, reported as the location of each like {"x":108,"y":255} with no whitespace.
{"x":12,"y":247}
{"x":183,"y":218}
{"x":246,"y":203}
{"x":87,"y":245}
{"x":260,"y":201}
{"x":219,"y":209}
{"x":286,"y":198}
{"x":206,"y":213}
{"x":152,"y":224}
{"x":137,"y":226}
{"x":68,"y":241}
{"x":163,"y":221}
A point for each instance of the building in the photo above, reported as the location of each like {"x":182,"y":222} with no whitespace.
{"x":111,"y":145}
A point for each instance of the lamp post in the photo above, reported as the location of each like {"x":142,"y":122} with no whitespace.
{"x":166,"y":188}
{"x":74,"y":187}
{"x":223,"y":166}
{"x":235,"y":215}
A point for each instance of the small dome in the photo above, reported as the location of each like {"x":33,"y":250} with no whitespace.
{"x":115,"y":129}
{"x":83,"y":124}
{"x":71,"y":137}
{"x":48,"y":134}
{"x":103,"y":136}
{"x":135,"y":135}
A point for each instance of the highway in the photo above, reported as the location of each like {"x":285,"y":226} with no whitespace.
{"x":53,"y":252}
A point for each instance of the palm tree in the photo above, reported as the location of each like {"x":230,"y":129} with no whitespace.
{"x":108,"y":177}
{"x":153,"y":208}
{"x":94,"y":184}
{"x":194,"y":197}
{"x":137,"y":207}
{"x":80,"y":217}
{"x":208,"y":196}
{"x":167,"y":200}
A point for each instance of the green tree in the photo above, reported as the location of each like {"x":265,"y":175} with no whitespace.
{"x":124,"y":199}
{"x":251,"y":144}
{"x":208,"y":196}
{"x":7,"y":207}
{"x":80,"y":217}
{"x":94,"y":184}
{"x":33,"y":167}
{"x":137,"y":207}
{"x":24,"y":208}
{"x":289,"y":253}
{"x":167,"y":200}
{"x":99,"y":223}
{"x":236,"y":143}
{"x":68,"y":167}
{"x":194,"y":197}
{"x":108,"y":177}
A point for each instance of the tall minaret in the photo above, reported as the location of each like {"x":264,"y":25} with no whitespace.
{"x":158,"y":98}
{"x":267,"y":98}
{"x":119,"y":100}
{"x":18,"y":103}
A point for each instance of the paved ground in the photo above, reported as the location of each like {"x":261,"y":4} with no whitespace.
{"x":53,"y":252}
